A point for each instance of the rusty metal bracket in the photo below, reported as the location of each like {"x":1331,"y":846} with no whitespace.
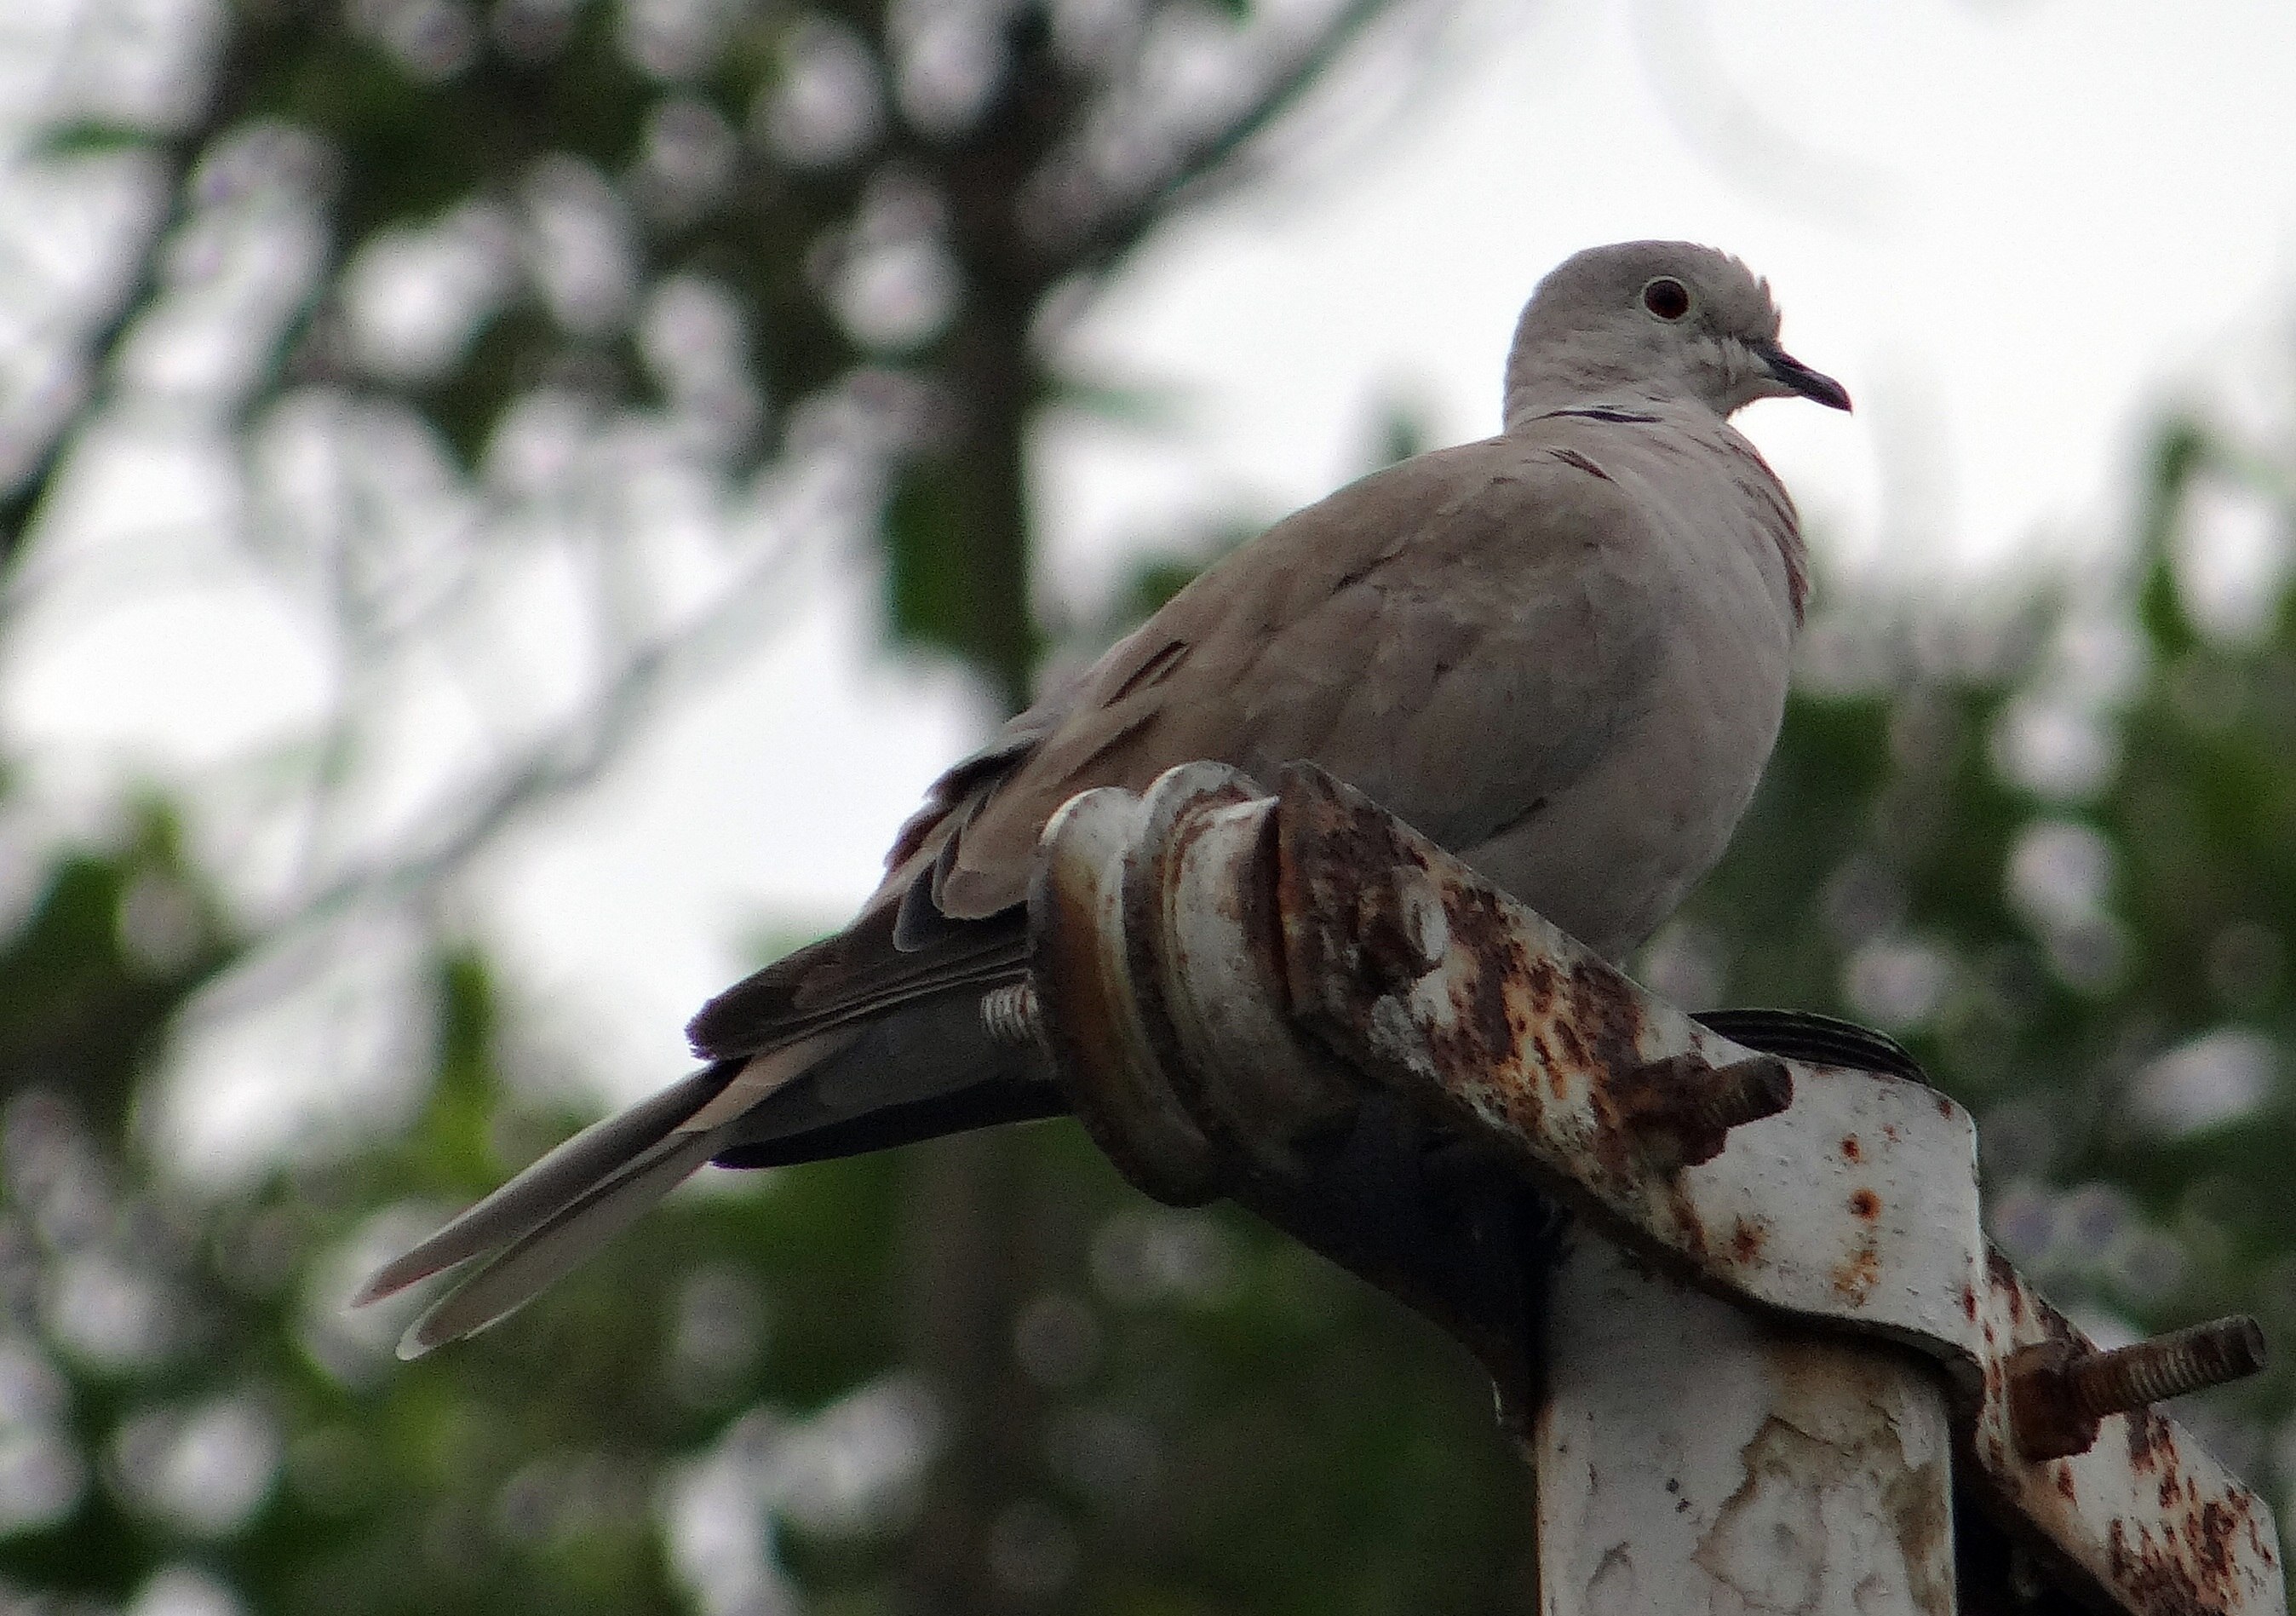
{"x":1231,"y":982}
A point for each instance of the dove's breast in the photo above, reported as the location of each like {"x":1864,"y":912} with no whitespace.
{"x":1710,"y":600}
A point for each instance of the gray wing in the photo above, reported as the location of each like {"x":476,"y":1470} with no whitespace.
{"x":1453,"y":635}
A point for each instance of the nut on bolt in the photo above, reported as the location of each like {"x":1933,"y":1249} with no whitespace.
{"x":2059,"y":1390}
{"x":1681,"y":1109}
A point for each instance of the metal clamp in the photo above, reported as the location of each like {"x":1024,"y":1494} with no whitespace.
{"x":1228,"y":978}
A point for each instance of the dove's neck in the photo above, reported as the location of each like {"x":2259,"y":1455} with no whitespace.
{"x":1562,"y":375}
{"x":1548,"y":372}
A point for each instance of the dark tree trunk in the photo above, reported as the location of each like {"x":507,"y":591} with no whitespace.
{"x":972,"y":1257}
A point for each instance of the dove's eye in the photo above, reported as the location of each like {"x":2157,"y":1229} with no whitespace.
{"x":1666,"y":297}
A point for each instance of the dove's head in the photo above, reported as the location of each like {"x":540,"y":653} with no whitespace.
{"x":1665,"y":321}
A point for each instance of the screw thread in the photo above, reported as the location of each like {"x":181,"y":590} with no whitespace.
{"x":1745,"y":1091}
{"x":1011,"y":1016}
{"x":2169,"y":1366}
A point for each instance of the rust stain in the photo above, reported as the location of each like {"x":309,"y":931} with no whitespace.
{"x":2064,"y":1480}
{"x":1599,"y":1023}
{"x":1969,"y":1306}
{"x":1607,"y":1017}
{"x":1686,"y":1221}
{"x":1609,"y":1144}
{"x":1746,"y":1238}
{"x":1851,"y":1151}
{"x":1539,"y":982}
{"x":1892,"y":1132}
{"x":1865,"y":1204}
{"x":2004,"y":1278}
{"x":1477,"y":1042}
{"x":2146,"y":1430}
{"x":1574,"y":1048}
{"x":1856,"y":1275}
{"x":1945,"y":1106}
{"x":1558,"y":1081}
{"x":2208,"y":1533}
{"x":2191,"y":1566}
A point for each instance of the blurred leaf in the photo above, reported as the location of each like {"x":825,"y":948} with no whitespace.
{"x":2178,"y":450}
{"x":926,"y":594}
{"x":112,"y":944}
{"x":88,"y":139}
{"x":1404,"y":429}
{"x":1149,"y":408}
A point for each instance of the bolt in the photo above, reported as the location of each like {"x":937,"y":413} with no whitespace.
{"x":1011,"y":1016}
{"x":1681,"y":1109}
{"x":2166,"y":1367}
{"x":1744,"y":1091}
{"x":2058,"y":1391}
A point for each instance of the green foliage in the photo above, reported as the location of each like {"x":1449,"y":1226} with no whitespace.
{"x":926,"y":598}
{"x":407,"y":142}
{"x":1190,"y":1362}
{"x":110,"y":945}
{"x":1159,"y":575}
{"x":2098,"y":967}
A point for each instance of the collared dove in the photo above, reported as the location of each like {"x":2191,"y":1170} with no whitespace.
{"x":1561,"y":653}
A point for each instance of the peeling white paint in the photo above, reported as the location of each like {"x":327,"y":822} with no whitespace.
{"x":1694,"y":1460}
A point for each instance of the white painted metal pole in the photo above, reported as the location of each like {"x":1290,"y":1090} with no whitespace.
{"x":1696,"y":1460}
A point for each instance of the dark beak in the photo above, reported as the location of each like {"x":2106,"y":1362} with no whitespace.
{"x":1793,"y":373}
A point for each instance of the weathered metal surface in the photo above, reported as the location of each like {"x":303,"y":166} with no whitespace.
{"x":1248,"y":1107}
{"x":1695,"y":1457}
{"x":1154,"y":951}
{"x":1081,"y":960}
{"x":1183,"y":937}
{"x":1856,"y":1205}
{"x":1546,"y":1047}
{"x":1217,"y":1009}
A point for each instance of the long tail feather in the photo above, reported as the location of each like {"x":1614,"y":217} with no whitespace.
{"x":989,"y":1104}
{"x":542,"y":1256}
{"x":926,"y":1067}
{"x":539,"y":1193}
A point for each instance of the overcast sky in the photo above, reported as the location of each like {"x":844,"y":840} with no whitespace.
{"x":2012,"y":229}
